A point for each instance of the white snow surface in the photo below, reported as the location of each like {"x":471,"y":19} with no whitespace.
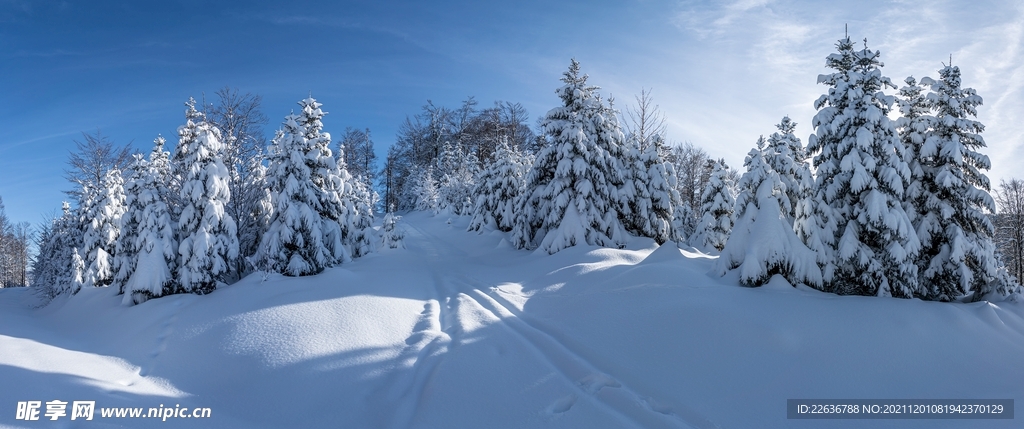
{"x":459,"y":330}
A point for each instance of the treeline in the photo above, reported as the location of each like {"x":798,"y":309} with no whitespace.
{"x":214,"y":210}
{"x":440,"y":153}
{"x":15,"y":239}
{"x":892,"y":208}
{"x":439,"y":141}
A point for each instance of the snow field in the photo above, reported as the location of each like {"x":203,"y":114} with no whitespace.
{"x":459,"y":330}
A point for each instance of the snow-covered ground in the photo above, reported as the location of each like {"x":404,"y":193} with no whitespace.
{"x":459,"y":330}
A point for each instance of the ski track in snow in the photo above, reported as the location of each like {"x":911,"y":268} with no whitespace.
{"x":436,"y":332}
{"x":417,"y":364}
{"x":587,"y":380}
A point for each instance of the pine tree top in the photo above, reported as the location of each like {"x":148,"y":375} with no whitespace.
{"x":311,"y":117}
{"x":843,"y":60}
{"x":786,"y":126}
{"x":575,"y":92}
{"x":191,"y":114}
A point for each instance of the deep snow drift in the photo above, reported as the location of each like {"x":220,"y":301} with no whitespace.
{"x":460,"y":330}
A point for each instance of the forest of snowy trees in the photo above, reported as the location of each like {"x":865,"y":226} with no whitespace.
{"x":888,"y":197}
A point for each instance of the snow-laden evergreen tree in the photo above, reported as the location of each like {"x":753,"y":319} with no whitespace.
{"x":363,"y":199}
{"x":716,"y":204}
{"x":861,"y":178}
{"x":327,"y":181}
{"x":763,"y":243}
{"x":391,"y":233}
{"x":786,"y":156}
{"x":357,"y":212}
{"x":42,"y":274}
{"x":102,"y":218}
{"x":77,"y":272}
{"x":159,"y":164}
{"x":571,"y":196}
{"x":294,"y":242}
{"x":261,"y":207}
{"x":150,"y":273}
{"x":424,"y":187}
{"x":649,"y":191}
{"x":456,"y":171}
{"x":957,"y":253}
{"x":499,"y":186}
{"x":208,"y":238}
{"x":665,"y":197}
{"x":177,"y":164}
{"x":682,"y":227}
{"x":126,"y":255}
{"x":54,"y":262}
{"x":1003,"y":285}
{"x":912,"y":126}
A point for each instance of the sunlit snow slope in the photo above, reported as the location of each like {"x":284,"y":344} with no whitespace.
{"x":461,"y":331}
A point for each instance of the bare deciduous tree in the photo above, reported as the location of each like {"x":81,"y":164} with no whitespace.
{"x":93,"y":156}
{"x":360,"y":158}
{"x":645,"y":120}
{"x":14,"y":248}
{"x":1009,"y":224}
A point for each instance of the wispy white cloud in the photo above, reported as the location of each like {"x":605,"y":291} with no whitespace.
{"x":348,"y":24}
{"x":995,"y":62}
{"x":711,"y":19}
{"x":786,"y":42}
{"x":4,"y":147}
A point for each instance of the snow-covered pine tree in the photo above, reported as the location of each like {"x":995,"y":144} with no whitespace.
{"x":294,"y":242}
{"x":662,"y":189}
{"x":634,"y":197}
{"x":815,"y":223}
{"x":457,"y":170}
{"x":208,"y":238}
{"x":53,"y":265}
{"x":327,"y":181}
{"x":391,"y":234}
{"x":126,"y":255}
{"x":177,"y":168}
{"x":763,"y":243}
{"x":861,"y":178}
{"x":682,"y":227}
{"x":102,"y":220}
{"x":786,"y":156}
{"x":649,"y":191}
{"x":425,"y":189}
{"x":957,"y":253}
{"x":499,"y":186}
{"x":363,"y":200}
{"x":159,"y":164}
{"x":42,"y":274}
{"x":153,"y":242}
{"x":77,"y":272}
{"x":357,"y":215}
{"x":260,"y":206}
{"x":716,"y":204}
{"x":571,"y":196}
{"x":913,"y":125}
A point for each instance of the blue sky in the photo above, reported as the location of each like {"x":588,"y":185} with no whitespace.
{"x":722,"y":72}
